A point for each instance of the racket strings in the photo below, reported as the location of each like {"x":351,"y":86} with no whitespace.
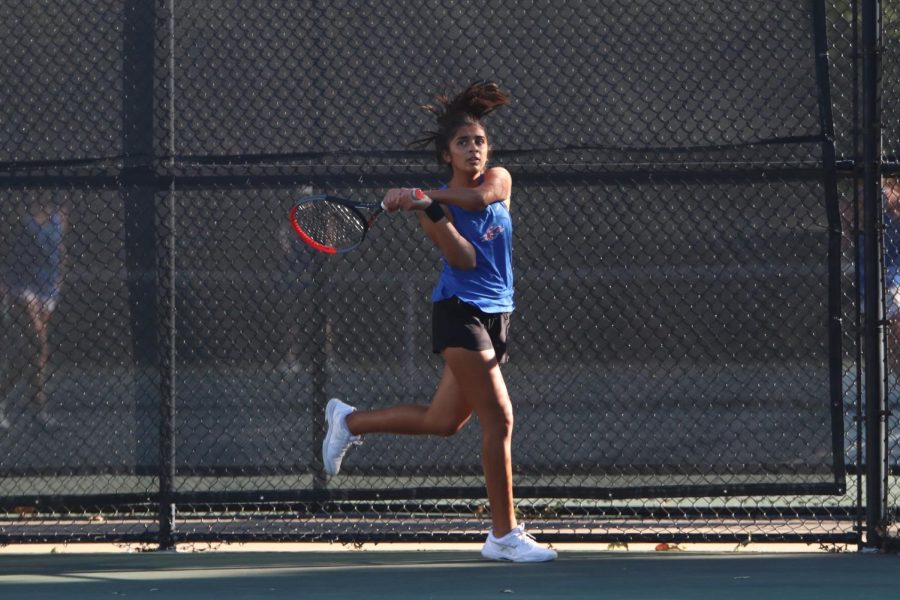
{"x":331,"y":224}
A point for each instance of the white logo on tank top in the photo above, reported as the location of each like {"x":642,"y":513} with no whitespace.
{"x":492,"y":232}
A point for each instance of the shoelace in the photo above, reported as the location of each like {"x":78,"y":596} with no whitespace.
{"x":525,"y":536}
{"x":520,"y":534}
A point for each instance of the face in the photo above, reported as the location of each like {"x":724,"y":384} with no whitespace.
{"x":468,"y":150}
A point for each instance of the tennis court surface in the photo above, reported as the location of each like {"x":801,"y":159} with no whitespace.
{"x":445,"y":574}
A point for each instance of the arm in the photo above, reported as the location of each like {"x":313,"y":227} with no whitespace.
{"x":496,"y":186}
{"x":458,"y":252}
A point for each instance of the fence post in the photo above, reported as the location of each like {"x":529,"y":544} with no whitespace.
{"x":167,"y":371}
{"x":832,"y":205}
{"x":873,"y":340}
{"x":164,"y":151}
{"x":138,"y":189}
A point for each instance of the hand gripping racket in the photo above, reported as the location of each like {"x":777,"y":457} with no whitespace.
{"x":336,"y":225}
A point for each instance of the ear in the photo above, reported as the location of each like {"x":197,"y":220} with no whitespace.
{"x":445,"y":154}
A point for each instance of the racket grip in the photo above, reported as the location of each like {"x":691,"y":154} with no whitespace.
{"x":420,"y":200}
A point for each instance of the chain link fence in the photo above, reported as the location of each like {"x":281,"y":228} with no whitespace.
{"x":891,"y":242}
{"x":686,"y":355}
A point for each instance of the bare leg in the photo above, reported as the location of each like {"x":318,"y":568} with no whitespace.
{"x":448,"y":412}
{"x":481,"y":382}
{"x":40,"y":321}
{"x":471,"y":381}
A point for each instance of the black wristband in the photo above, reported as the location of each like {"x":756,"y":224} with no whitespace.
{"x":435,"y":212}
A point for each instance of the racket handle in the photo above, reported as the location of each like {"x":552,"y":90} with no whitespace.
{"x":420,"y":200}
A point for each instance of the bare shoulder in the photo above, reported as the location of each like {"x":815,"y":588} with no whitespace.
{"x":499,"y":181}
{"x":498,"y":173}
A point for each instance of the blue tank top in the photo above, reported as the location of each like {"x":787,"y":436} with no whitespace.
{"x":489,"y":286}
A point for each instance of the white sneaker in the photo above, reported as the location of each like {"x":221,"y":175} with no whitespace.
{"x":516,"y":546}
{"x":338,"y":438}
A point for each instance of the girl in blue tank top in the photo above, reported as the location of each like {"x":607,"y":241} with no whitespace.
{"x":489,"y":286}
{"x":469,"y":221}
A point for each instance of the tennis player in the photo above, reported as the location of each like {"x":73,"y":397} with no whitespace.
{"x":469,"y":221}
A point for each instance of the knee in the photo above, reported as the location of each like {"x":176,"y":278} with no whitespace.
{"x":500,"y":424}
{"x":506,"y":426}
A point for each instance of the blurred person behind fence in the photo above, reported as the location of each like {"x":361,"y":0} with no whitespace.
{"x":33,"y":273}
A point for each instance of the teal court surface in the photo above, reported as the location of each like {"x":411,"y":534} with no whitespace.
{"x":446,"y":574}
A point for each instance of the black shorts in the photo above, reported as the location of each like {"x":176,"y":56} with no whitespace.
{"x":456,"y":324}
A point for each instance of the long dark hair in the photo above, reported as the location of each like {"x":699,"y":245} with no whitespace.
{"x":469,"y":107}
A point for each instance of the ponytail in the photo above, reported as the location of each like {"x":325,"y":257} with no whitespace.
{"x":467,"y":108}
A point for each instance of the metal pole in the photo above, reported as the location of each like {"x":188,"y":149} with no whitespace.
{"x":873,"y":342}
{"x":167,"y":374}
{"x":832,"y":206}
{"x":164,"y":147}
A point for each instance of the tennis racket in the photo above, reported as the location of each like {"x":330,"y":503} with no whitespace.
{"x":336,"y":225}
